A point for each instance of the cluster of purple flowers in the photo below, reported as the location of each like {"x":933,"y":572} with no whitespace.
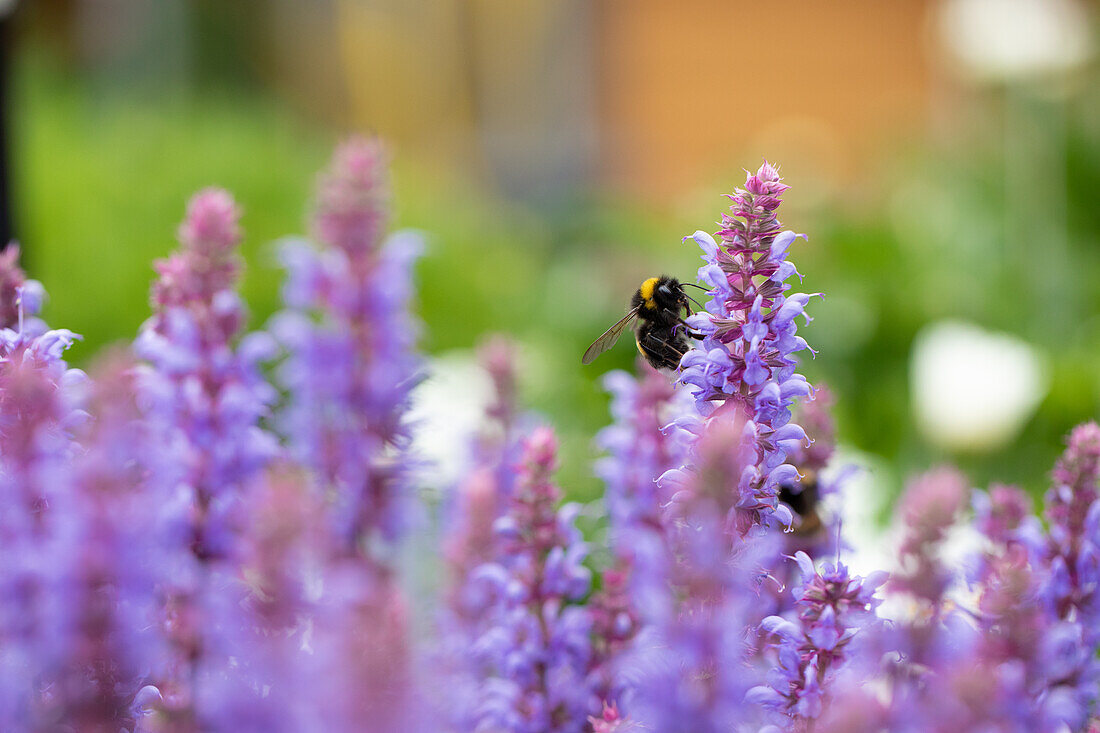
{"x":191,"y":547}
{"x":747,"y":359}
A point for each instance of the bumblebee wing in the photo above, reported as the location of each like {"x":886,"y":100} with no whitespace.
{"x":609,"y":337}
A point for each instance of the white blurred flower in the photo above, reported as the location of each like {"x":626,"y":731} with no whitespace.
{"x":972,"y":389}
{"x":447,"y":410}
{"x":1005,"y":40}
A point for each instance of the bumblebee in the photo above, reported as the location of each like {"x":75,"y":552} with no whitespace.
{"x":661,"y":334}
{"x":804,"y":500}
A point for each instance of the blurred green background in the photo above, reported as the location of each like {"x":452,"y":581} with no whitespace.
{"x":944,"y":159}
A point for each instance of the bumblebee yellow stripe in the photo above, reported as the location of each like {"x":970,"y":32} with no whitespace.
{"x":647,"y":293}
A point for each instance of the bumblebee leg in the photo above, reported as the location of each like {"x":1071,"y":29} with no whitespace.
{"x":659,"y":352}
{"x":685,"y":324}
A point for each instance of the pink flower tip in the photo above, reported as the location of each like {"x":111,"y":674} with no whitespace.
{"x":360,"y":160}
{"x":767,"y":172}
{"x":766,"y":184}
{"x":351,"y":198}
{"x":1084,"y":440}
{"x":930,"y":504}
{"x":498,"y":356}
{"x":212,"y":221}
{"x":541,"y":448}
{"x":610,"y":721}
{"x":1008,"y":506}
{"x":1080,"y":464}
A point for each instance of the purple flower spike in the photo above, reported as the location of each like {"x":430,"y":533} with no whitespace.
{"x":206,"y":263}
{"x":106,"y":563}
{"x":348,"y":374}
{"x":1072,"y":589}
{"x":1068,"y":505}
{"x":929,"y":507}
{"x":486,"y":492}
{"x":470,"y":542}
{"x":36,"y":494}
{"x":202,"y":388}
{"x":747,"y":357}
{"x":351,"y":364}
{"x":202,"y":394}
{"x":1003,"y":513}
{"x":41,"y":408}
{"x":833,"y":609}
{"x":535,"y":646}
{"x":640,"y":449}
{"x":615,"y":623}
{"x":689,"y":665}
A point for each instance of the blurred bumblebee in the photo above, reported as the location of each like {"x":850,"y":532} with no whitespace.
{"x":661,"y":333}
{"x":804,"y":500}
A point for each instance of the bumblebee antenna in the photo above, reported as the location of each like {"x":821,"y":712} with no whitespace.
{"x":696,"y":286}
{"x":693,"y":300}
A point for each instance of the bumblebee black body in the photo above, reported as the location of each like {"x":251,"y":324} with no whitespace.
{"x":660,"y":332}
{"x":804,"y":502}
{"x":660,"y":335}
{"x":661,"y":345}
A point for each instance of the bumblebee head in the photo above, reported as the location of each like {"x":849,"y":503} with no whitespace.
{"x":659,"y":298}
{"x":662,"y":293}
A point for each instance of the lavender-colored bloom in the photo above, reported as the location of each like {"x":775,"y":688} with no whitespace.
{"x":351,"y":364}
{"x":361,"y":665}
{"x":833,"y":609}
{"x":535,"y":644}
{"x":40,"y":407}
{"x":260,"y":671}
{"x":876,"y":676}
{"x":202,"y":394}
{"x":1070,"y":512}
{"x":297,"y":636}
{"x":746,"y":360}
{"x":650,"y":435}
{"x":1073,"y":568}
{"x":35,"y":494}
{"x":495,"y":452}
{"x":1002,"y":513}
{"x":1018,"y":653}
{"x":615,"y":624}
{"x":689,"y":669}
{"x":929,"y":507}
{"x":105,"y":565}
{"x":470,"y":541}
{"x":640,"y":449}
{"x":202,"y":389}
{"x":349,"y":371}
{"x":942,"y":668}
